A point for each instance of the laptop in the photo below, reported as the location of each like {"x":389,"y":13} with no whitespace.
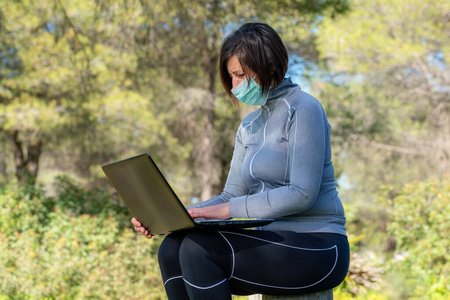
{"x":152,"y":201}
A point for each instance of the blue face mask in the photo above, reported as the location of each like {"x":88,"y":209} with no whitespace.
{"x":249,"y":92}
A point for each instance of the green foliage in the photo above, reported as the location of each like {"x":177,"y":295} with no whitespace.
{"x":387,"y":34}
{"x":74,"y":201}
{"x":75,"y":249}
{"x":24,"y":208}
{"x":66,"y":83}
{"x":419,"y":222}
{"x":387,"y":90}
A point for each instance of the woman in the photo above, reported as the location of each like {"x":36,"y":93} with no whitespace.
{"x":282,"y":169}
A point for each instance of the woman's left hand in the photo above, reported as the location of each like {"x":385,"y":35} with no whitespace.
{"x":220,"y":211}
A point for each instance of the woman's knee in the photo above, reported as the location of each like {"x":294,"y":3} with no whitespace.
{"x":191,"y":248}
{"x":170,"y":248}
{"x":198,"y":247}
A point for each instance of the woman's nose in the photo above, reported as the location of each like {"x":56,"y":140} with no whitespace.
{"x":236,"y":81}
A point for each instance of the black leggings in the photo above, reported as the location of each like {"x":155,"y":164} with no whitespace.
{"x":216,"y":264}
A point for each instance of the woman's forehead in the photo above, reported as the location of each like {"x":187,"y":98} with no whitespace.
{"x":233,"y":64}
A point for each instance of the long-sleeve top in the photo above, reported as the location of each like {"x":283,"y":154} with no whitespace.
{"x":281,"y":166}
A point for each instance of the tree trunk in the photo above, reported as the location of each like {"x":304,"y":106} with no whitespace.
{"x":27,"y":167}
{"x":206,"y":157}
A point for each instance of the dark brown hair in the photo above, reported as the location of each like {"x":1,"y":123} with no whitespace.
{"x":259,"y":48}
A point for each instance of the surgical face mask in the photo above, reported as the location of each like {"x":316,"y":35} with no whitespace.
{"x":249,"y":92}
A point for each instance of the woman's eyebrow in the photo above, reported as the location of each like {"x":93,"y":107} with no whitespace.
{"x":238,"y":71}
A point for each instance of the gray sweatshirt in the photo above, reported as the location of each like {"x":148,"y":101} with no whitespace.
{"x":281,"y":166}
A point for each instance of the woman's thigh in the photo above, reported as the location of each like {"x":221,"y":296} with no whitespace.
{"x":276,"y":262}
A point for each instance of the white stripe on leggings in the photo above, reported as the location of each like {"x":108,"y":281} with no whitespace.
{"x":172,"y":278}
{"x":204,"y":287}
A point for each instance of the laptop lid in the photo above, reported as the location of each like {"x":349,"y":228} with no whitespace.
{"x":147,"y":194}
{"x":152,"y":201}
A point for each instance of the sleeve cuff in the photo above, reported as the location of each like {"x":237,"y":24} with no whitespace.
{"x":238,"y":207}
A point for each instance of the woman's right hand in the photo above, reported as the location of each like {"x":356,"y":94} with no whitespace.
{"x":140,"y":229}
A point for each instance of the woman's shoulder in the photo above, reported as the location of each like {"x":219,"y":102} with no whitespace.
{"x":301,"y":100}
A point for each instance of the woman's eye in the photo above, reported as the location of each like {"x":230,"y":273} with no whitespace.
{"x":238,"y":75}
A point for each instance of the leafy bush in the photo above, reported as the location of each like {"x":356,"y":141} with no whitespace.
{"x":56,"y":250}
{"x":419,"y":222}
{"x":75,"y":201}
{"x":23,"y":208}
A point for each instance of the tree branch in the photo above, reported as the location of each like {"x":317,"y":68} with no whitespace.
{"x":365,"y":141}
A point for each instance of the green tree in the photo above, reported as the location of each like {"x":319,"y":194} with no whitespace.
{"x":389,"y":95}
{"x":66,"y":89}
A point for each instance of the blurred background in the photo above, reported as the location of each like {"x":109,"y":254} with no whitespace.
{"x":87,"y":82}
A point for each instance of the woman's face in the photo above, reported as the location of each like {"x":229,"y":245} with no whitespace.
{"x":236,"y":71}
